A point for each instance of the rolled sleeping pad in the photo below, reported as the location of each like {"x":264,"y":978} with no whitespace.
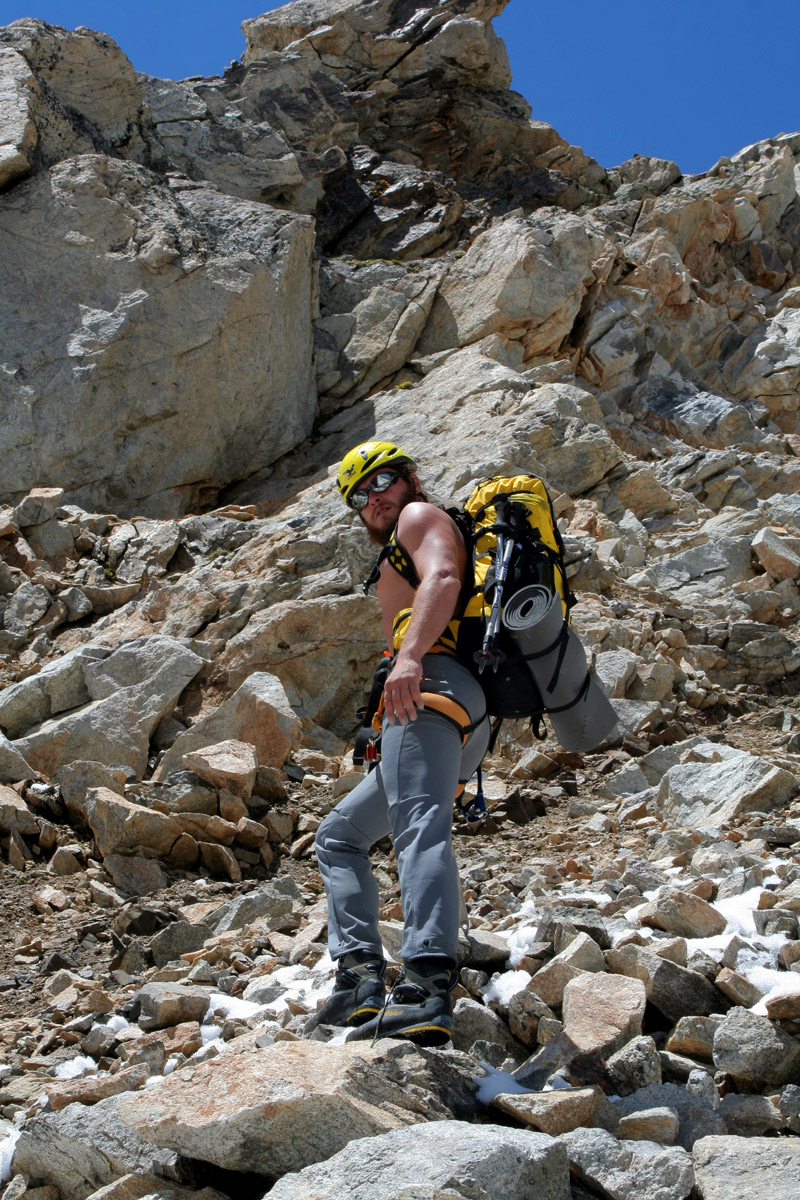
{"x":575,"y":702}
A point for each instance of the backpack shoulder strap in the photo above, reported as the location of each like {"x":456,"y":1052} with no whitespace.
{"x":374,"y":574}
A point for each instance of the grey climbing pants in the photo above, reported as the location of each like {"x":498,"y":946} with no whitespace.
{"x":409,"y":795}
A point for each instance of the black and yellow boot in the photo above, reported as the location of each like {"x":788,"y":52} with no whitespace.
{"x":358,"y":992}
{"x":419,"y":1007}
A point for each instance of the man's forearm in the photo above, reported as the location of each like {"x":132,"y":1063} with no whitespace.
{"x":434,"y":605}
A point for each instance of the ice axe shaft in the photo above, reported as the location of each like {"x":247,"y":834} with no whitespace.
{"x":488,"y":651}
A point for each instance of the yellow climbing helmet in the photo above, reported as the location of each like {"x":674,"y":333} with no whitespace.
{"x":362,"y":460}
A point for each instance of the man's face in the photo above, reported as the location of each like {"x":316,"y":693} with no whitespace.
{"x":383,"y":508}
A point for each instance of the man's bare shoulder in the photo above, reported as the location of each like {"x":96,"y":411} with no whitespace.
{"x":420,"y":517}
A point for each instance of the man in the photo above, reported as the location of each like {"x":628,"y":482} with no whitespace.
{"x":434,"y":735}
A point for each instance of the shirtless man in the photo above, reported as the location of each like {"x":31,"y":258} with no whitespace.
{"x":434,"y":735}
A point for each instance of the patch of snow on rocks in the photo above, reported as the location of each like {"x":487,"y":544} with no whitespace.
{"x":505,"y":985}
{"x":497,"y":1083}
{"x":75,"y":1068}
{"x":233,"y":1006}
{"x":302,"y":984}
{"x":8,"y":1141}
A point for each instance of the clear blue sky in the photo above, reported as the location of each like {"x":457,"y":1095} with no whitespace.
{"x":683,"y":79}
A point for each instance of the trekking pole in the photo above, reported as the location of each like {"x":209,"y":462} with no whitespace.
{"x":483,"y":656}
{"x":488,"y":651}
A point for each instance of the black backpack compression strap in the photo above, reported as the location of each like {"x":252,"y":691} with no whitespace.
{"x":366,"y":733}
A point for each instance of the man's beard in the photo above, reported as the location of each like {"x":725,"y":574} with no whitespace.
{"x":380,"y":537}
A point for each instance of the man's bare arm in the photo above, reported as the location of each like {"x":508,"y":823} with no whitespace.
{"x":437,"y":551}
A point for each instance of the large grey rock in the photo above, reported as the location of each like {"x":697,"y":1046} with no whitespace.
{"x":471,"y":123}
{"x":207,"y":138}
{"x":755,"y":1051}
{"x":371,"y":317}
{"x":683,"y":914}
{"x":81,"y":1149}
{"x":448,"y":1158}
{"x":166,"y":1004}
{"x":231,"y":765}
{"x":473,"y":1022}
{"x":217,"y":283}
{"x":135,"y":875}
{"x":775,"y":555}
{"x":557,"y":1111}
{"x":697,"y":1116}
{"x":321,"y":651}
{"x":635,"y":1066}
{"x":710,"y":793}
{"x":622,"y":1169}
{"x":756,"y":1168}
{"x":77,"y":778}
{"x":15,"y":814}
{"x":603,"y":1012}
{"x":281,"y":1108}
{"x":703,"y":419}
{"x":767,"y":366}
{"x":343,"y":23}
{"x":572,"y":449}
{"x":275,"y":129}
{"x":28,"y":605}
{"x":750,"y":1116}
{"x":703,"y":569}
{"x":271,"y":903}
{"x":39,"y":507}
{"x":13,"y":766}
{"x":175,"y":939}
{"x":60,"y":685}
{"x":258,"y":713}
{"x":129,"y":693}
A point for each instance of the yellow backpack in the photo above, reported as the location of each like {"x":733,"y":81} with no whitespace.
{"x":510,"y":528}
{"x":512,"y":541}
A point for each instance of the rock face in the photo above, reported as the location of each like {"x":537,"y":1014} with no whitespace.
{"x":203,"y":280}
{"x":214,"y":288}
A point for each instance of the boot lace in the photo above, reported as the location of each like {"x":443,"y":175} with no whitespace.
{"x":403,"y":992}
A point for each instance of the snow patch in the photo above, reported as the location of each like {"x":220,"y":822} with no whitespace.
{"x":232,"y":1006}
{"x":772,"y":983}
{"x":502,"y":987}
{"x":8,"y":1141}
{"x":76,"y":1068}
{"x":497,"y":1083}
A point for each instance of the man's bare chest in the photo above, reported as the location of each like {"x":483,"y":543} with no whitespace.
{"x":394,"y":594}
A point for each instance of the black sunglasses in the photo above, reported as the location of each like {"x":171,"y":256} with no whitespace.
{"x":381,"y":483}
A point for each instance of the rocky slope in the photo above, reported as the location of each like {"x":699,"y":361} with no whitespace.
{"x":212,"y":289}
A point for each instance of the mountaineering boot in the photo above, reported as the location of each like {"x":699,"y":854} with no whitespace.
{"x":419,"y":1006}
{"x":358,"y":992}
